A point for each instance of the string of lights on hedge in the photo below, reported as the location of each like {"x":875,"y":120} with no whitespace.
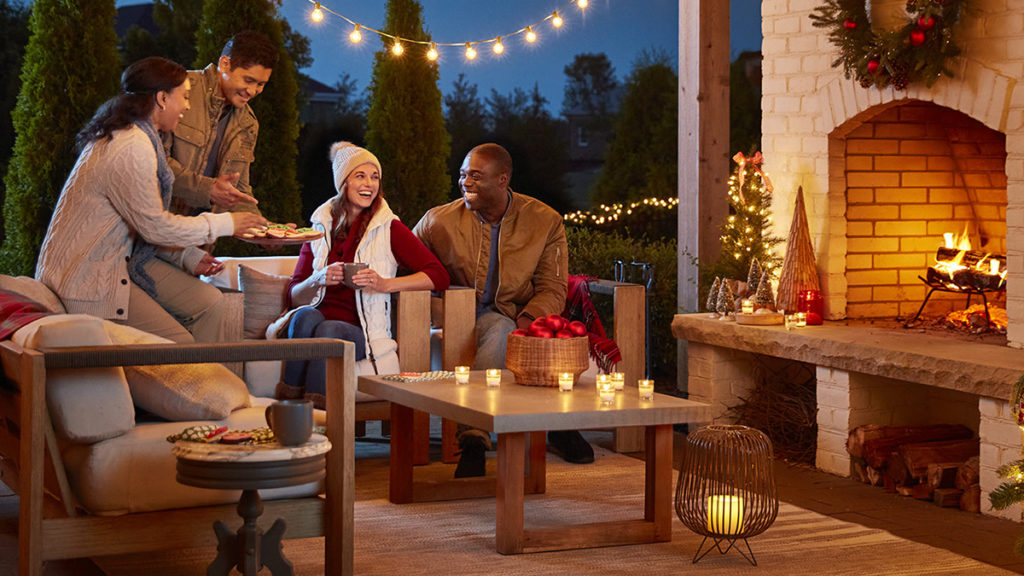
{"x":611,"y":213}
{"x":397,"y":44}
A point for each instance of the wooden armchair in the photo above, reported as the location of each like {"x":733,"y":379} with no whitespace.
{"x":457,"y":310}
{"x":50,"y":524}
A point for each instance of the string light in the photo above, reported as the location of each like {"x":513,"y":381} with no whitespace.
{"x":397,"y":42}
{"x":607,"y":214}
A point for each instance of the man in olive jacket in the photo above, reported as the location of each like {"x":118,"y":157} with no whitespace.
{"x":511,"y":249}
{"x":214,"y":143}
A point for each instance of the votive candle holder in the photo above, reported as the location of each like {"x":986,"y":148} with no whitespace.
{"x":493,"y":377}
{"x":565,"y":381}
{"x":618,"y":380}
{"x":462,"y":374}
{"x":646,"y":389}
{"x":606,"y":392}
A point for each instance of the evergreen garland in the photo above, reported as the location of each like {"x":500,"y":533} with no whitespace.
{"x":1012,"y":491}
{"x":917,"y":52}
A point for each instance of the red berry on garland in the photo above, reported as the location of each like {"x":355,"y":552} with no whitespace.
{"x":849,"y":24}
{"x":916,"y":38}
{"x":873,"y":66}
{"x":925,"y":23}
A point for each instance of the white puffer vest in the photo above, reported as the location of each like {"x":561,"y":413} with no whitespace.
{"x":373,"y":308}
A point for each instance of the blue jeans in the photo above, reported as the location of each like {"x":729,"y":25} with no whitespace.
{"x":310,"y":323}
{"x":492,"y":330}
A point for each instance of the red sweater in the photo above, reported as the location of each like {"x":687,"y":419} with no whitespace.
{"x":340,"y":301}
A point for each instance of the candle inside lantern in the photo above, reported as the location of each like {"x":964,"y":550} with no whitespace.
{"x":618,"y":380}
{"x":993,"y":267}
{"x":948,"y":238}
{"x":606,"y":391}
{"x":747,"y":306}
{"x":812,"y":305}
{"x":462,"y":374}
{"x":646,"y":388}
{"x":801,"y":319}
{"x":493,"y":377}
{"x":565,"y":381}
{"x":602,"y":379}
{"x":725,"y":515}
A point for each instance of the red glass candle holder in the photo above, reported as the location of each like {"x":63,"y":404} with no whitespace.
{"x":811,"y":303}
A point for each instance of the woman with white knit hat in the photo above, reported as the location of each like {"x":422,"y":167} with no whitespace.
{"x":358,"y":226}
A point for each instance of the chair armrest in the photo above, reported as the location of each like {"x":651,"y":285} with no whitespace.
{"x":455,"y":311}
{"x":412,"y":330}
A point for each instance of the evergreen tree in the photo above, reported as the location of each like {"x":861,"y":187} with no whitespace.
{"x":405,"y":123}
{"x":712,"y":303}
{"x":753,"y":276}
{"x":273,"y":172}
{"x":764,"y":297}
{"x":641,"y":158}
{"x":70,"y":68}
{"x":465,"y":120}
{"x":178,"y":21}
{"x":746,"y":233}
{"x":13,"y":38}
{"x":726,"y":299}
{"x":589,"y":87}
{"x":744,"y":104}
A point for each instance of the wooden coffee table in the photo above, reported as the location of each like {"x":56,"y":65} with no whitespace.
{"x":515,"y":412}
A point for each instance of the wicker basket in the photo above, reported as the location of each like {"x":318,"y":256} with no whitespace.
{"x":539,"y":361}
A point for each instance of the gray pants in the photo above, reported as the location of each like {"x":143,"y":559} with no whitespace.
{"x":186,"y":308}
{"x":492,"y":330}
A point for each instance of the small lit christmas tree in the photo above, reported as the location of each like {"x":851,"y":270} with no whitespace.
{"x":712,"y":303}
{"x":764,"y":297}
{"x":745,"y":234}
{"x":726,"y":301}
{"x":753,"y":276}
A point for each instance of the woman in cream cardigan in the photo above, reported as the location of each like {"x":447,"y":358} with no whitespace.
{"x":112,"y":248}
{"x":358,"y":226}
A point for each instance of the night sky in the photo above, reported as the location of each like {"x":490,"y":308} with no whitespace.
{"x":622,"y":29}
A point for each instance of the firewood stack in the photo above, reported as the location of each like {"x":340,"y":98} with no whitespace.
{"x":936,"y":462}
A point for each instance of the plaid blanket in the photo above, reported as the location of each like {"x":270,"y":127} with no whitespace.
{"x":17,"y":311}
{"x":579,"y":306}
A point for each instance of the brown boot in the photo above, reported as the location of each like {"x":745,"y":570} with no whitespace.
{"x":285,"y":392}
{"x":319,"y":400}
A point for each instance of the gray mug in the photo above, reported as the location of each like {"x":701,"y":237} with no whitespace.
{"x":349,"y":269}
{"x":291,"y":421}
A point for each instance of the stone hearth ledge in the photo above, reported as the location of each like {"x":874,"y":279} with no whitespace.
{"x":971,"y":367}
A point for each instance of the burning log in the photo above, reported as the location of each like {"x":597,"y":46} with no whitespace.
{"x":967,"y":270}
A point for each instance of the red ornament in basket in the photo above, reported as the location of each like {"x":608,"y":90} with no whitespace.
{"x":550,"y":346}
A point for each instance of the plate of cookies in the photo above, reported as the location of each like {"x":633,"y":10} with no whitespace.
{"x":281,"y":235}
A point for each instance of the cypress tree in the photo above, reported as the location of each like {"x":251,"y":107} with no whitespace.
{"x":405,"y":124}
{"x":273,"y":173}
{"x":70,"y":68}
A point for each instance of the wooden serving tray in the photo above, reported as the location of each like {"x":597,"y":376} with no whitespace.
{"x":772,"y":319}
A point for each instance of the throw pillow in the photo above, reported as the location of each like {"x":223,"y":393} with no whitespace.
{"x":34,"y":290}
{"x":179,"y":392}
{"x":86,"y":404}
{"x":264,"y":299}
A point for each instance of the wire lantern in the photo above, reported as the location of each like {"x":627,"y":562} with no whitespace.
{"x":726,"y":490}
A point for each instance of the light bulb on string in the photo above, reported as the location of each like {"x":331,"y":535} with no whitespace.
{"x":432,"y":52}
{"x":356,"y":36}
{"x":531,"y":36}
{"x":556,"y":20}
{"x":318,"y":14}
{"x":582,"y":4}
{"x":397,"y":49}
{"x":498,"y":47}
{"x":470,"y":52}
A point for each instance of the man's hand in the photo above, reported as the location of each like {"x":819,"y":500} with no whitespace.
{"x":224,"y":193}
{"x":247,"y":222}
{"x":209,"y":266}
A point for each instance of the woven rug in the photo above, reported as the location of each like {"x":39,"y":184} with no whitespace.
{"x":458,"y":537}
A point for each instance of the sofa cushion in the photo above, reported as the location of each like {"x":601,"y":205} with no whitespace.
{"x":34,"y":290}
{"x":179,"y":392}
{"x":86,"y":404}
{"x":135,"y":472}
{"x":264,"y":299}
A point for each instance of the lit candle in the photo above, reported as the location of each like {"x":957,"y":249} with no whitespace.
{"x":993,"y":267}
{"x":462,"y":374}
{"x":747,"y":306}
{"x":493,"y":377}
{"x":603,"y":379}
{"x":565,"y":381}
{"x":725,"y":515}
{"x":618,"y":380}
{"x":606,"y":391}
{"x":801,"y":319}
{"x":948,"y":238}
{"x":646,"y":388}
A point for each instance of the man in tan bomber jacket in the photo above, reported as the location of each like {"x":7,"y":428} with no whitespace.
{"x":511,"y":249}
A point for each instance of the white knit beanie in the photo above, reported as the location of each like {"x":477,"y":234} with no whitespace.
{"x":346,"y":157}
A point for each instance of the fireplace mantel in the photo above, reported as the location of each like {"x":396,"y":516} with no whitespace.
{"x":975,"y":368}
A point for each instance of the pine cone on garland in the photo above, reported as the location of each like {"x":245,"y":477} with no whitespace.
{"x":866,"y":81}
{"x":899,"y":81}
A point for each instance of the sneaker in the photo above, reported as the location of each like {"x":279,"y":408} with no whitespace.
{"x":570,"y":445}
{"x":472,"y":459}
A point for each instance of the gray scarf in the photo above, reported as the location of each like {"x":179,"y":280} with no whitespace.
{"x":143,"y":251}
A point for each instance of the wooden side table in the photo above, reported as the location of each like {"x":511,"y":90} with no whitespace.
{"x":250,"y":468}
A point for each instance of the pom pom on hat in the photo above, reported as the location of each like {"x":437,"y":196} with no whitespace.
{"x":346,"y":157}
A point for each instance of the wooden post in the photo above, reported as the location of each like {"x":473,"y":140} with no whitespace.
{"x":703,"y":141}
{"x":414,"y":343}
